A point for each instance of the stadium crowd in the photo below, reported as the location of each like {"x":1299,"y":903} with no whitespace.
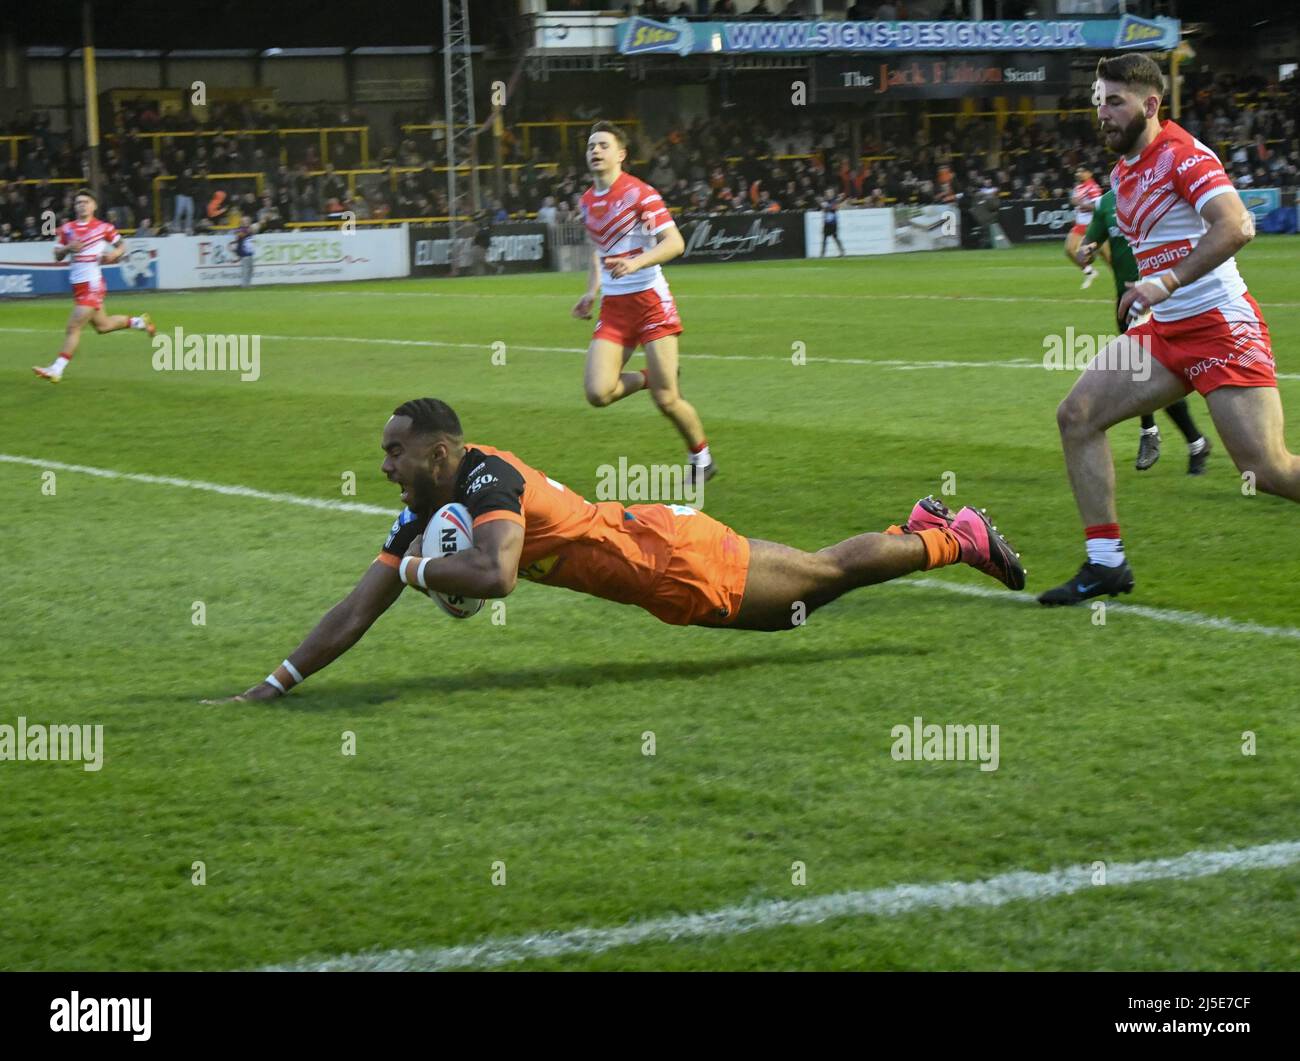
{"x":727,"y":162}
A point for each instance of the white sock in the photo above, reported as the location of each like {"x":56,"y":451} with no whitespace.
{"x":1152,"y":430}
{"x":136,"y":322}
{"x":1088,"y":270}
{"x":1109,"y":552}
{"x":701,"y":459}
{"x":1197,"y":447}
{"x":60,"y":363}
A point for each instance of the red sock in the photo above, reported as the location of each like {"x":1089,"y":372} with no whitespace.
{"x":1102,"y":530}
{"x":701,"y":447}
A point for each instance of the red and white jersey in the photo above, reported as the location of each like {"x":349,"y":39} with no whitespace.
{"x":1085,"y":196}
{"x":1158,"y":201}
{"x":95,"y":237}
{"x":622,"y":222}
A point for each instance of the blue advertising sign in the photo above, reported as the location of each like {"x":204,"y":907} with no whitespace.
{"x":646,"y":36}
{"x":30,"y":269}
{"x":1261,"y":201}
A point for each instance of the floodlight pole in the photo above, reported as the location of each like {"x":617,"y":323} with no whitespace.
{"x":91,"y":92}
{"x":461,"y":132}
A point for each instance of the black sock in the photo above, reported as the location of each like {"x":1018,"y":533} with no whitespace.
{"x":1148,"y":422}
{"x":1180,"y":415}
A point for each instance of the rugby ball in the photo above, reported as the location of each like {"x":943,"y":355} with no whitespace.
{"x":449,"y":531}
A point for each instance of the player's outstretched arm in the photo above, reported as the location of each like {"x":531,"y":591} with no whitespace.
{"x":340,"y":629}
{"x":489,"y":569}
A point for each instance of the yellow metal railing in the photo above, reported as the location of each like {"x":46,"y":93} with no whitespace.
{"x":321,"y":131}
{"x":526,"y":129}
{"x":159,"y":180}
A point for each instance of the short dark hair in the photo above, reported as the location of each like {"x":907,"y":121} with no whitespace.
{"x":613,"y":130}
{"x":1133,"y":69}
{"x":429,"y":416}
{"x":87,"y":193}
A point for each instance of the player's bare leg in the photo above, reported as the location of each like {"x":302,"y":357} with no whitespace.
{"x":784,"y":585}
{"x":71,"y":340}
{"x":1250,"y":422}
{"x":1102,"y":397}
{"x":103,"y":323}
{"x":662,"y":367}
{"x":605,"y":381}
{"x":1073,"y":241}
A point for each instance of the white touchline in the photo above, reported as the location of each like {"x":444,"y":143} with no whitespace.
{"x":857,"y":296}
{"x":890,"y":365}
{"x":1160,"y":615}
{"x":199,"y":484}
{"x":892,"y":901}
{"x":1163,"y":615}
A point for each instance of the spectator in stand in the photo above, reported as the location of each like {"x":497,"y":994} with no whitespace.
{"x":546,"y":214}
{"x":183,"y":215}
{"x":145,"y":228}
{"x":218,"y":210}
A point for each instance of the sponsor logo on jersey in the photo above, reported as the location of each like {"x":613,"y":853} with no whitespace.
{"x":1191,"y":161}
{"x":1165,"y":255}
{"x":479,"y":483}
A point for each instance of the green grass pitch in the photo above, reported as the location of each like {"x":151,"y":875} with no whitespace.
{"x":522,"y":743}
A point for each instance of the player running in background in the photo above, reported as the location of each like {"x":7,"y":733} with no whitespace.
{"x":91,"y":243}
{"x":1184,"y":220}
{"x":1084,"y":199}
{"x":632,"y":234}
{"x":1103,"y":229}
{"x":831,"y":221}
{"x":680,"y":565}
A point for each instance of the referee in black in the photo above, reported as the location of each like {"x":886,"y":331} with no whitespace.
{"x":831,"y":221}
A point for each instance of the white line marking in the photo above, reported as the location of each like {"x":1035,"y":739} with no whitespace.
{"x":736,"y":920}
{"x":875,"y":296}
{"x":1160,"y":615}
{"x":1163,"y":615}
{"x":199,"y":484}
{"x":888,"y":364}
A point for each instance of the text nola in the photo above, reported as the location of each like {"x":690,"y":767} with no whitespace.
{"x":179,"y":352}
{"x":57,"y":744}
{"x":934,"y":743}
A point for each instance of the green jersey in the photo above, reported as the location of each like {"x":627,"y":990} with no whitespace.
{"x":1103,"y":227}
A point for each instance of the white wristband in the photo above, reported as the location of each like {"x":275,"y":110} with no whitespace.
{"x":293,"y":671}
{"x":419,"y":572}
{"x":271,"y":679}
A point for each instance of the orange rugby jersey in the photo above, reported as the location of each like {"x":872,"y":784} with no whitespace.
{"x":602,"y":549}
